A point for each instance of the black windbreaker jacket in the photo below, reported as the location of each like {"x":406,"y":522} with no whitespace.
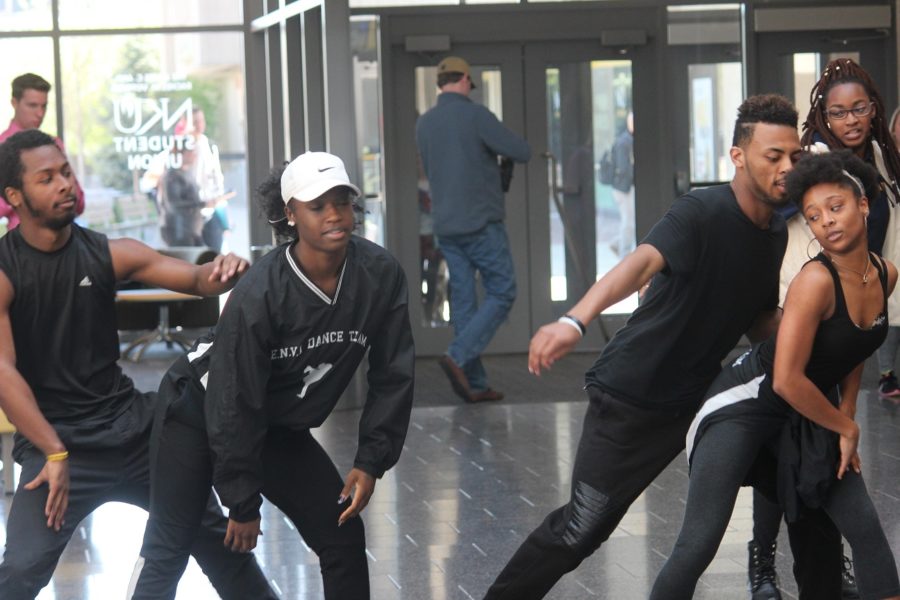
{"x":282,"y":354}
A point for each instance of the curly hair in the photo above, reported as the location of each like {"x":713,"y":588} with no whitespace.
{"x":271,"y":205}
{"x":11,"y":167}
{"x":763,"y":108}
{"x":838,"y":72}
{"x":832,"y":167}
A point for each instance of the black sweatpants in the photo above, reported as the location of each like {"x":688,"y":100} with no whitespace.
{"x":97,"y":477}
{"x":622,"y":449}
{"x":719,"y":465}
{"x":299,"y":478}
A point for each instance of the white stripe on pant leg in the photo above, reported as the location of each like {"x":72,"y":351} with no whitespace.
{"x":135,"y":575}
{"x":739,"y":393}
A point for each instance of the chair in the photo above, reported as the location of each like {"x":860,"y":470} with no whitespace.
{"x":189,"y":314}
{"x":201,"y":314}
{"x":6,"y":454}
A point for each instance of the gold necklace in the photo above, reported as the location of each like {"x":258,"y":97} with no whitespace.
{"x":864,"y":274}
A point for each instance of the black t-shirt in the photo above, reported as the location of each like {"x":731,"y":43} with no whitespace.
{"x":721,"y":272}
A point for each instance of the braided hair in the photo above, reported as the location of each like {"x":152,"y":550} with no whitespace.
{"x":838,"y":72}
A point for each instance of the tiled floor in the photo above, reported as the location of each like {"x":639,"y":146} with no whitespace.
{"x":473,"y":480}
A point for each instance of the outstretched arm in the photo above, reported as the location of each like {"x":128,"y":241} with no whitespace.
{"x":18,"y":402}
{"x":134,"y":260}
{"x":555,"y":340}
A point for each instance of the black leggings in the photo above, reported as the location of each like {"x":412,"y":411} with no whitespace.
{"x":720,"y":463}
{"x":298,"y":477}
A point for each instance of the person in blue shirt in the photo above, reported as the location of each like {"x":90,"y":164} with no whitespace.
{"x":459,"y":142}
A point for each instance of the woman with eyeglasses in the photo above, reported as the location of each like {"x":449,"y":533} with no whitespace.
{"x":847,"y":112}
{"x":770,"y":406}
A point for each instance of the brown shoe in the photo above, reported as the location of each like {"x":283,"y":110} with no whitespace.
{"x":487,"y":395}
{"x":458,"y":379}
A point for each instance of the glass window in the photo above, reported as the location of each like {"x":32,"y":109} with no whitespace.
{"x":156,"y":133}
{"x":369,"y":134}
{"x":33,"y":55}
{"x":121,"y":14}
{"x":715,"y":94}
{"x":25,"y":15}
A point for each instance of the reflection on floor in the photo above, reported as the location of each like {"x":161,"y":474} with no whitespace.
{"x":473,"y":481}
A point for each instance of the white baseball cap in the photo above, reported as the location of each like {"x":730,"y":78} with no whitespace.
{"x":312,"y":174}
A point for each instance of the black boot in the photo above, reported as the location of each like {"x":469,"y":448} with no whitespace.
{"x":849,"y":590}
{"x":761,"y":572}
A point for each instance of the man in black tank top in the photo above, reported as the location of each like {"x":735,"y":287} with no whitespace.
{"x":83,"y":430}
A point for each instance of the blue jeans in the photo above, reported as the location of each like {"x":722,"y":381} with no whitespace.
{"x":487,"y":252}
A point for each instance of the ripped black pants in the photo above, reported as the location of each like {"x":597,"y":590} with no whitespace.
{"x":622,"y":449}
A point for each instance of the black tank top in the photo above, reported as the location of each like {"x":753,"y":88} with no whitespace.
{"x":64,"y":327}
{"x":840,"y":344}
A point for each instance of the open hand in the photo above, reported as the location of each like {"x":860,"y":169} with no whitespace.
{"x":56,"y":475}
{"x":550,"y":343}
{"x":849,"y":456}
{"x":227,"y":267}
{"x":364,"y":485}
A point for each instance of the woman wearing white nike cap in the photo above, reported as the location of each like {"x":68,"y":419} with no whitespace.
{"x":287,"y":344}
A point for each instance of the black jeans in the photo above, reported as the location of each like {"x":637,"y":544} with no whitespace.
{"x":96,"y":477}
{"x":622,"y":449}
{"x":299,"y":478}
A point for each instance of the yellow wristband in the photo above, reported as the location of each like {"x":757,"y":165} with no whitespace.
{"x":58,"y":456}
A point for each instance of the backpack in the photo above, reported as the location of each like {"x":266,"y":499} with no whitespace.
{"x":607,"y":168}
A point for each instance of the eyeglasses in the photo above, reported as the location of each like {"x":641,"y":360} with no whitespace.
{"x":858,"y":111}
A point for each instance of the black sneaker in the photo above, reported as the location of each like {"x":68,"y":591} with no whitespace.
{"x":887,"y":386}
{"x":849,"y":591}
{"x":761,"y":572}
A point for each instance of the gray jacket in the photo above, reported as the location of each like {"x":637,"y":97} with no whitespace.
{"x":459,"y":142}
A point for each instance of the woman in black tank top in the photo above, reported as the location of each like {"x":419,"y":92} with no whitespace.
{"x":771,"y":402}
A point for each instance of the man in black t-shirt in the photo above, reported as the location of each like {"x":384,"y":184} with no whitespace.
{"x":714,"y":259}
{"x":83,"y":430}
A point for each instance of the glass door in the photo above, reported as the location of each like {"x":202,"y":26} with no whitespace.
{"x":798,"y":58}
{"x":497,"y":72}
{"x":584,"y":124}
{"x":590,"y":166}
{"x":434,"y":277}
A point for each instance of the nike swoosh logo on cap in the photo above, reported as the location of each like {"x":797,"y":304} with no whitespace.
{"x":325,"y":169}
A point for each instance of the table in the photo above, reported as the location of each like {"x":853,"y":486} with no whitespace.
{"x":163,"y":332}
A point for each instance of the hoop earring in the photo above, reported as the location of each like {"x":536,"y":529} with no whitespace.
{"x":809,"y":244}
